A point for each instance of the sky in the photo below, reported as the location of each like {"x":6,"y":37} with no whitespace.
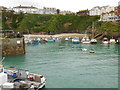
{"x":70,"y":5}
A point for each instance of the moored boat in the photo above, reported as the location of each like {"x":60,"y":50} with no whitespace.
{"x":93,"y":41}
{"x":112,"y":41}
{"x":105,"y":41}
{"x":35,"y":41}
{"x":43,"y":40}
{"x":118,"y":41}
{"x":50,"y":40}
{"x":66,"y":39}
{"x":84,"y":49}
{"x":28,"y":40}
{"x":85,"y":40}
{"x":18,"y":78}
{"x":75,"y":40}
{"x":91,"y":51}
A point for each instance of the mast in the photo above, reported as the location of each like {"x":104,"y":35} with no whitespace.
{"x":1,"y":66}
{"x":93,"y":30}
{"x":2,"y":60}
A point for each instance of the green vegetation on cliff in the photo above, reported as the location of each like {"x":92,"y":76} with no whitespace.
{"x":56,"y":23}
{"x":32,"y":23}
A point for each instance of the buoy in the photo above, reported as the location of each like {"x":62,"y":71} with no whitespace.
{"x":84,"y":49}
{"x":92,"y":51}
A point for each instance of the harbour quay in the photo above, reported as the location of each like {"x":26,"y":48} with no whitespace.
{"x":11,"y":44}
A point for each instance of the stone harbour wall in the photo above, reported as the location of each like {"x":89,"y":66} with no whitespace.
{"x":13,"y":46}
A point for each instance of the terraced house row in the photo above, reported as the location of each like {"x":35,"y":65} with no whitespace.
{"x":107,"y":13}
{"x":35,"y":10}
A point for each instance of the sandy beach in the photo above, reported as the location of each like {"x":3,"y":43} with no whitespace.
{"x":57,"y":35}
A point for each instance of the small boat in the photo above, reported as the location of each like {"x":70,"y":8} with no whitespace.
{"x":91,"y":51}
{"x":50,"y":40}
{"x":84,"y":49}
{"x":93,"y":41}
{"x":18,"y":78}
{"x":118,"y":41}
{"x":112,"y":41}
{"x":35,"y":41}
{"x":66,"y":39}
{"x":85,"y":40}
{"x":105,"y":41}
{"x":28,"y":40}
{"x":75,"y":40}
{"x":43,"y":40}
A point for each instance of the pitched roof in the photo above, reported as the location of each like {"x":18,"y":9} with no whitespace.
{"x":25,"y":7}
{"x":2,"y":7}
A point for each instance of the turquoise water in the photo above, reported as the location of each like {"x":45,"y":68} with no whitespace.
{"x":65,"y":65}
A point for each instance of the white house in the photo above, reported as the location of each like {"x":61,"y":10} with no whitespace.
{"x":2,"y":8}
{"x":34,"y":10}
{"x":99,"y":10}
{"x":119,"y":3}
{"x":47,"y":10}
{"x":65,"y":12}
{"x":25,"y":9}
{"x":111,"y":16}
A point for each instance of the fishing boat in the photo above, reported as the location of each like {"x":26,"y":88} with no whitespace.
{"x":75,"y":40}
{"x":112,"y":41}
{"x":91,"y":51}
{"x":18,"y":78}
{"x":93,"y":41}
{"x":85,"y":39}
{"x":105,"y":41}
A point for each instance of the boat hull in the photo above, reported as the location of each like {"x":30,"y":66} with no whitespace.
{"x":93,"y":42}
{"x":91,"y":51}
{"x":105,"y":42}
{"x":50,"y":41}
{"x":75,"y":42}
{"x":86,"y":42}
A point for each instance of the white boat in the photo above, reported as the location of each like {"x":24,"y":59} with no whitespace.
{"x":118,"y":41}
{"x":13,"y":78}
{"x":112,"y":41}
{"x":84,"y":49}
{"x":75,"y":41}
{"x":66,"y":39}
{"x":105,"y":41}
{"x":85,"y":40}
{"x":28,"y":41}
{"x":93,"y":41}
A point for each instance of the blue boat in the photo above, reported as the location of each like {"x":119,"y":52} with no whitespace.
{"x":51,"y":40}
{"x":75,"y":40}
{"x":35,"y":41}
